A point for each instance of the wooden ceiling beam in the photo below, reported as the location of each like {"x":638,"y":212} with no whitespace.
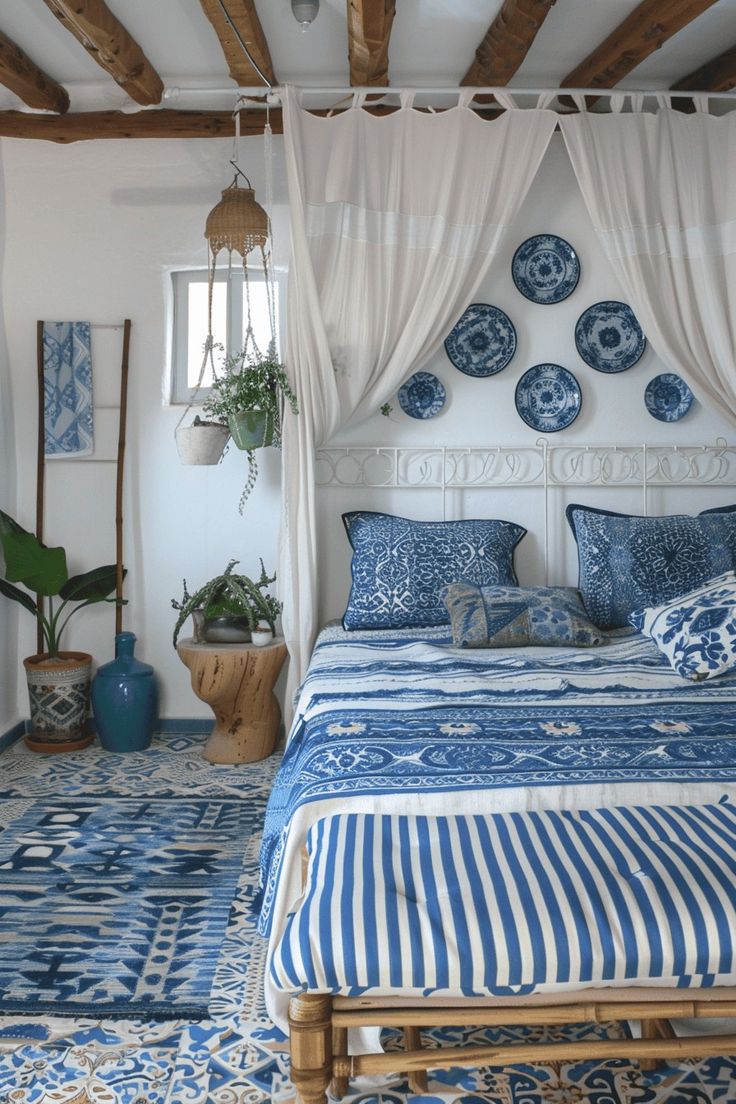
{"x":716,"y":75}
{"x":157,"y":123}
{"x":507,"y":42}
{"x":24,"y":78}
{"x":650,"y":25}
{"x":369,"y":31}
{"x":107,"y":41}
{"x":242,"y":20}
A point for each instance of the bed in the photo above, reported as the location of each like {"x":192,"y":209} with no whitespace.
{"x":396,"y":719}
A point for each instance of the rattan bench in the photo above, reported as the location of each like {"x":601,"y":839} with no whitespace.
{"x":417,"y":922}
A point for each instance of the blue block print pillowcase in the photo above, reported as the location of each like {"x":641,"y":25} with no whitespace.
{"x":697,"y":633}
{"x":629,"y":563}
{"x":400,"y":567}
{"x":515,"y":617}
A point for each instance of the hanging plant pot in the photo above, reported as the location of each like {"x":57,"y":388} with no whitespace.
{"x":202,"y":442}
{"x":252,"y":428}
{"x":58,"y":690}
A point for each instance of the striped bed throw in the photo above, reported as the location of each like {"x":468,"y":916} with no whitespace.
{"x":513,"y":903}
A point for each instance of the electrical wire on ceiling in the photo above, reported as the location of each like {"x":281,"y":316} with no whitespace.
{"x":243,"y":46}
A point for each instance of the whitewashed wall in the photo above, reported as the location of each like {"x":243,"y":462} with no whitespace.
{"x":92,"y":230}
{"x":9,"y":707}
{"x":482,"y":412}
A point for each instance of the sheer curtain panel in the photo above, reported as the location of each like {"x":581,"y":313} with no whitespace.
{"x":661,"y":190}
{"x":395,"y":222}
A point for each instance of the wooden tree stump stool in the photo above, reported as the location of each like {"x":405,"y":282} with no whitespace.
{"x":237,"y":681}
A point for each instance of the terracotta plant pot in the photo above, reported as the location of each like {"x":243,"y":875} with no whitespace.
{"x":201,"y":444}
{"x":252,"y":428}
{"x":58,"y":690}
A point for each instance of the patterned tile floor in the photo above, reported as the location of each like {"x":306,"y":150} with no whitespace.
{"x":237,"y":1056}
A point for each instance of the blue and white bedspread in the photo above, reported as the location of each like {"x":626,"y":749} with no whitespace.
{"x":391,"y":724}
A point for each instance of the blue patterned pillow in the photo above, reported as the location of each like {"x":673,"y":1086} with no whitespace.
{"x":515,"y":617}
{"x":697,"y":633}
{"x":400,"y":566}
{"x":629,"y":562}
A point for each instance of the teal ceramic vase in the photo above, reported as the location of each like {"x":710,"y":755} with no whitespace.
{"x":125,"y":699}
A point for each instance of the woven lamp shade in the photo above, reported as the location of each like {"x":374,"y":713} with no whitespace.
{"x":237,"y":223}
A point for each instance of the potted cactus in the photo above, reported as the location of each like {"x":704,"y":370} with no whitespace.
{"x":58,"y":681}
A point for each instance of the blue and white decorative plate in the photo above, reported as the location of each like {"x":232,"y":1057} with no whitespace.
{"x":422,"y":396}
{"x":548,"y":398}
{"x":667,"y":397}
{"x":545,"y":268}
{"x":608,"y":337}
{"x":482,"y":342}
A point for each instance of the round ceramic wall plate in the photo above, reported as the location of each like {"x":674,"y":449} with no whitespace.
{"x":482,"y":342}
{"x":608,"y":337}
{"x":548,"y":398}
{"x":667,"y":397}
{"x":545,"y":268}
{"x":422,"y":396}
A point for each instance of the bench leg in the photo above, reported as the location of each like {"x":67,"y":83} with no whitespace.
{"x":339,"y":1086}
{"x":310,"y":1037}
{"x":654,"y":1029}
{"x":417,"y":1078}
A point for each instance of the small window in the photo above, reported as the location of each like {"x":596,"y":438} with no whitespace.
{"x":229,"y":319}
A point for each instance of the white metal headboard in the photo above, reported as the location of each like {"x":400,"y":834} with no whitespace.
{"x":543,"y":466}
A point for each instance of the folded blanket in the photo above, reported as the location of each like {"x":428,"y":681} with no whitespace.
{"x":67,"y":367}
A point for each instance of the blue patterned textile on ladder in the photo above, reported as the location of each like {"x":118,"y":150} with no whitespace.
{"x":116,"y":907}
{"x":67,"y":371}
{"x":697,"y":633}
{"x":513,"y":903}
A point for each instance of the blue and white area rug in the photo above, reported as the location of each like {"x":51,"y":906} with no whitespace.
{"x":236,"y":1056}
{"x":116,"y":906}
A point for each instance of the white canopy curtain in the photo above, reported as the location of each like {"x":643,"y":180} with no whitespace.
{"x":661,"y":190}
{"x":395,"y":221}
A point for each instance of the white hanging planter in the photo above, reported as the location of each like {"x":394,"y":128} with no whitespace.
{"x":202,"y":442}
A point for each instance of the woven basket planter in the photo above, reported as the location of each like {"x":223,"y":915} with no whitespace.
{"x":58,"y":691}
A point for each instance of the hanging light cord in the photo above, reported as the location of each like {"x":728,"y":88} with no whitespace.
{"x":243,"y":46}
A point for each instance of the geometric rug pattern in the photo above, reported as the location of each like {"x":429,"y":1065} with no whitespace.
{"x":236,"y":1056}
{"x":116,"y":906}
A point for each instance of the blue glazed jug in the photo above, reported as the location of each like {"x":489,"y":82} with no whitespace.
{"x":125,"y":699}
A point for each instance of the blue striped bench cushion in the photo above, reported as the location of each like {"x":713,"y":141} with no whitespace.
{"x":514,"y":903}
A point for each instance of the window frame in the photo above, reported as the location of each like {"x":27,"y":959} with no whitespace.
{"x":180,"y":393}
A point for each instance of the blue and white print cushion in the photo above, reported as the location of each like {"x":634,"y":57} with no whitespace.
{"x":629,"y":562}
{"x":697,"y":633}
{"x":517,"y":617}
{"x":400,"y":566}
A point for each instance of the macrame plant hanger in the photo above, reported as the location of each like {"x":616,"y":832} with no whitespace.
{"x":239,"y":224}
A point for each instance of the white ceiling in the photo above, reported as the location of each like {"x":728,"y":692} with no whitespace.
{"x":433,"y":43}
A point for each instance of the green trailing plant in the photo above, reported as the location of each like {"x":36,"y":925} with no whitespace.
{"x":44,"y":571}
{"x":233,"y":593}
{"x":251,"y":383}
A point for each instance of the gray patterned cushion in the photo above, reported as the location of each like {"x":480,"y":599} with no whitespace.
{"x":400,"y":566}
{"x":629,"y":562}
{"x":510,"y":617}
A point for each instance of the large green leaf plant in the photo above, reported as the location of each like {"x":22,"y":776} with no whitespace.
{"x":43,"y":571}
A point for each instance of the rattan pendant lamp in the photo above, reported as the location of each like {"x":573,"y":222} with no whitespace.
{"x":239,"y":225}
